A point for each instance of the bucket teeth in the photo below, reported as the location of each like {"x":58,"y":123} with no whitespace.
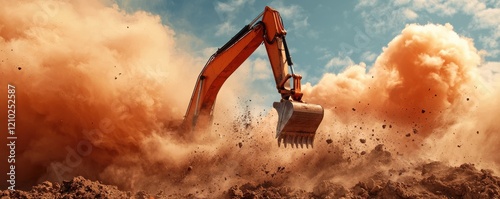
{"x":296,"y":140}
{"x":311,"y":140}
{"x":306,"y":140}
{"x":279,"y":140}
{"x":284,"y":140}
{"x":297,"y":122}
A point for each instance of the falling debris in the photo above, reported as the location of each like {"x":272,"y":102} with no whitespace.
{"x":329,"y":141}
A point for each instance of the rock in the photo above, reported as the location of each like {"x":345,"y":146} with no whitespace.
{"x":329,"y":189}
{"x":329,"y":141}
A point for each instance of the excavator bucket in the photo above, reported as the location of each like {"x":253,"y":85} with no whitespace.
{"x":297,"y":123}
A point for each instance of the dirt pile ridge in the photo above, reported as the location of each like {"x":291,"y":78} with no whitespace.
{"x":78,"y":187}
{"x":427,"y":180}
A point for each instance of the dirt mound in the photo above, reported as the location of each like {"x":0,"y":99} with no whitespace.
{"x":78,"y":187}
{"x":430,"y":180}
{"x":435,"y":180}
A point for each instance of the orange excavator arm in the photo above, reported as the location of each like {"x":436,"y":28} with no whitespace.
{"x":228,"y":58}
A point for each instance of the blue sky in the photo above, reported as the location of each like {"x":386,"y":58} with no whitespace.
{"x":325,"y":36}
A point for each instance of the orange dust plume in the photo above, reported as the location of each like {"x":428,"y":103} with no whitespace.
{"x":97,"y":91}
{"x":425,"y":92}
{"x":91,"y":82}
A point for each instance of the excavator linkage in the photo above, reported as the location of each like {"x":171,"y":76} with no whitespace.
{"x":297,"y":122}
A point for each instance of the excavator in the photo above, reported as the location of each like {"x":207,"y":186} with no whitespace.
{"x":297,"y":120}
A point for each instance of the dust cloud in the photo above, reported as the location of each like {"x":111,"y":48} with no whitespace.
{"x":424,"y":95}
{"x":92,"y":83}
{"x":99,"y":89}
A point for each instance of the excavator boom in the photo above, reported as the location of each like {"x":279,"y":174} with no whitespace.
{"x":298,"y":121}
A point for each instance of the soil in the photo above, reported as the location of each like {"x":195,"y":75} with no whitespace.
{"x":430,"y":180}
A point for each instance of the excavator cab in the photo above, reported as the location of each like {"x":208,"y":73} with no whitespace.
{"x":298,"y":121}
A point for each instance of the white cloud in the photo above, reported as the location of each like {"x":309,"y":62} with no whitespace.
{"x":449,"y":7}
{"x":300,"y":23}
{"x":322,"y":52}
{"x":365,"y":3}
{"x":207,"y":52}
{"x":472,"y":6}
{"x":221,"y":7}
{"x":490,"y":71}
{"x":439,"y":7}
{"x":489,"y":41}
{"x":497,"y":3}
{"x":343,"y":61}
{"x":294,"y":13}
{"x":368,"y":56}
{"x":383,"y":19}
{"x":261,"y":69}
{"x":386,"y":17}
{"x":488,"y":18}
{"x":225,"y":28}
{"x":288,"y":11}
{"x":261,"y":51}
{"x":401,"y":2}
{"x":230,"y":7}
{"x":410,"y":14}
{"x":227,"y":12}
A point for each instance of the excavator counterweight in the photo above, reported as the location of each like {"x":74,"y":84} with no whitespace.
{"x":298,"y":121}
